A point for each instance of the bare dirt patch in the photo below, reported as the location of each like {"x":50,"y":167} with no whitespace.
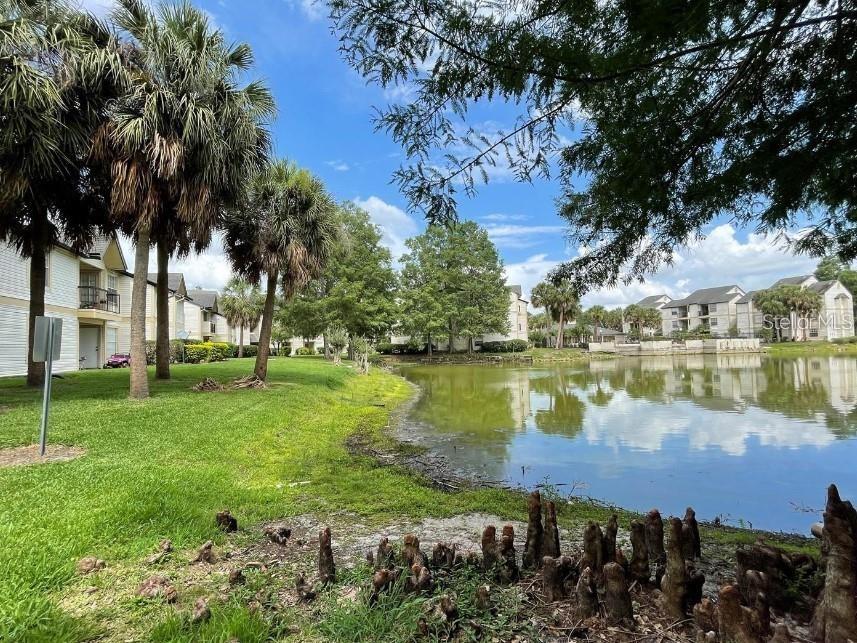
{"x":27,"y":455}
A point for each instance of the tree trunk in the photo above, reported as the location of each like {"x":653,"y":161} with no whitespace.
{"x":162,"y":298}
{"x":429,"y":345}
{"x":470,"y":346}
{"x":241,"y":341}
{"x":451,"y":341}
{"x":560,"y":340}
{"x":597,"y":332}
{"x":38,"y":275}
{"x":139,"y":381}
{"x":261,"y":369}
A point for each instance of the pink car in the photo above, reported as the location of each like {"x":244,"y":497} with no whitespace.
{"x":118,"y":360}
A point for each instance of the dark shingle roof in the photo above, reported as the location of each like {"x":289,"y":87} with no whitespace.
{"x":174,"y":279}
{"x":791,"y":281}
{"x":746,"y":298}
{"x":203,"y":298}
{"x":706,"y":296}
{"x":651,"y":301}
{"x":821,"y":286}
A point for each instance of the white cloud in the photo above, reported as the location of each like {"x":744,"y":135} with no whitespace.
{"x":520,"y":236}
{"x":505,"y":217}
{"x":719,"y":259}
{"x":529,"y":272}
{"x":312,"y":9}
{"x":396,"y":226}
{"x":339,"y":166}
{"x":210,"y":269}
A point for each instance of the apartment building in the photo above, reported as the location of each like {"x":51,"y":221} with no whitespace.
{"x":712,"y":309}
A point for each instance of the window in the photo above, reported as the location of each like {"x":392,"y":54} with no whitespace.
{"x":112,"y":348}
{"x":675,"y":325}
{"x":111,"y":283}
{"x":813,"y":332}
{"x":89,"y":279}
{"x":713,"y":321}
{"x":674,"y":312}
{"x":712,"y":308}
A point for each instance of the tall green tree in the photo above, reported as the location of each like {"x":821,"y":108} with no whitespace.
{"x":773,"y":304}
{"x":59,"y":70}
{"x":181,"y":142}
{"x":782,"y":303}
{"x":285,"y":229}
{"x":691,"y":109}
{"x":241,"y":305}
{"x":452,"y":284}
{"x":358,"y":286}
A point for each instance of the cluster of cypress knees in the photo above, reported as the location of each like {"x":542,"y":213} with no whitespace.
{"x":601,"y":577}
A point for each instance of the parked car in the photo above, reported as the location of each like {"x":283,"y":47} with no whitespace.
{"x":118,"y":360}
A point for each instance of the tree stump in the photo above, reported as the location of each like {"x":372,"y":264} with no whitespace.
{"x":326,"y":566}
{"x":443,"y":556}
{"x":593,"y":549}
{"x":535,"y":532}
{"x":226,"y":521}
{"x":608,"y":554}
{"x":705,"y":615}
{"x":835,"y":617}
{"x":655,"y":543}
{"x":675,"y":580}
{"x":587,"y":596}
{"x":490,"y":551}
{"x":639,"y":553}
{"x":693,"y":545}
{"x":385,"y":557}
{"x":617,"y":598}
{"x":509,"y":563}
{"x":419,"y":581}
{"x":411,"y":551}
{"x":382,"y":580}
{"x":737,"y":624}
{"x":551,"y":546}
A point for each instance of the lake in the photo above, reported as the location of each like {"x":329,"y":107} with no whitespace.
{"x":749,"y":439}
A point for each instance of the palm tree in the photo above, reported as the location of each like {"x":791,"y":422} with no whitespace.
{"x":180,"y":143}
{"x":59,"y":69}
{"x":804,"y":303}
{"x":241,"y":304}
{"x":598,"y":315}
{"x":561,"y":300}
{"x":285,"y":230}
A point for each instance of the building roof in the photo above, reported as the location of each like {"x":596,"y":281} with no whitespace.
{"x":822,"y":286}
{"x":747,"y":298}
{"x":174,"y":280}
{"x":204,"y":298}
{"x":791,"y":281}
{"x":95,"y":250}
{"x":652,"y":301}
{"x":706,"y":296}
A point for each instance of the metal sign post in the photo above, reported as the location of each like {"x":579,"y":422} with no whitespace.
{"x":47,"y":344}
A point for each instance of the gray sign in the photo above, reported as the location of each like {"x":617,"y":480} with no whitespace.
{"x":44,"y":336}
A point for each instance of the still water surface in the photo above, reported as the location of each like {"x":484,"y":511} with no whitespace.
{"x":750,"y":439}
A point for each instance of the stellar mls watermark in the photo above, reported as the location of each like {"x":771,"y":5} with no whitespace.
{"x":840,"y":321}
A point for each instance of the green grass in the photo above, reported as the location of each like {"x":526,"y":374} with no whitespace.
{"x":794,"y":349}
{"x":161,"y":468}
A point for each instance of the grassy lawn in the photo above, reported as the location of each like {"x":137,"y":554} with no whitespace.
{"x":796,"y":349}
{"x":161,"y":468}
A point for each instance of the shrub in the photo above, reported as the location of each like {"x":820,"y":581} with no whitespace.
{"x":219,"y":351}
{"x":197,"y":353}
{"x":303,"y":351}
{"x":251,"y":351}
{"x":319,"y":350}
{"x":508,"y":346}
{"x":150,"y":351}
{"x":176,"y":350}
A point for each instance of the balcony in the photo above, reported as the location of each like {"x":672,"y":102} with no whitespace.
{"x":92,"y":298}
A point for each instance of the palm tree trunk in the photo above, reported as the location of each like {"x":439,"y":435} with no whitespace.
{"x":597,"y":329}
{"x":139,"y":380}
{"x":38,"y":277}
{"x":560,"y":340}
{"x":241,"y":341}
{"x":162,"y":315}
{"x":261,"y":369}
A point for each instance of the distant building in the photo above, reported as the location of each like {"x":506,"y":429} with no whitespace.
{"x":712,"y":309}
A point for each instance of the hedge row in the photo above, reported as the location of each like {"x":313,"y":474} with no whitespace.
{"x":508,"y":346}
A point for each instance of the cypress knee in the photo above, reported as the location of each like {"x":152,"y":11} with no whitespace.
{"x":640,"y":553}
{"x":490,"y":552}
{"x":550,"y":546}
{"x":617,"y":598}
{"x":326,"y":567}
{"x":535,"y":532}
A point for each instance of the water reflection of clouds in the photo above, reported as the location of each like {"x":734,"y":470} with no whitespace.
{"x":644,"y":426}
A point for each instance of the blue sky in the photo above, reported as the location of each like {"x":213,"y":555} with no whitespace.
{"x":325,"y":124}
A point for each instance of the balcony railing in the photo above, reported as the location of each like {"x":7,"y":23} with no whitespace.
{"x":92,"y":298}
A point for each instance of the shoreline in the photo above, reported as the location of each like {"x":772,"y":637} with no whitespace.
{"x":389,"y":449}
